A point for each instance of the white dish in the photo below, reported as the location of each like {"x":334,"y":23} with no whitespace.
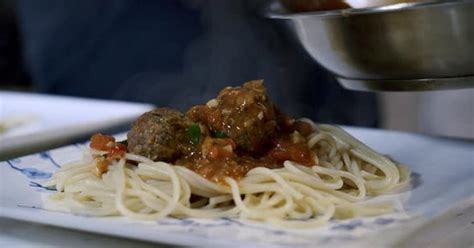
{"x":48,"y":121}
{"x":443,"y":172}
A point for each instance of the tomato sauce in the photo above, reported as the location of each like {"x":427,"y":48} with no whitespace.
{"x":106,"y":143}
{"x":217,"y":160}
{"x":232,"y":134}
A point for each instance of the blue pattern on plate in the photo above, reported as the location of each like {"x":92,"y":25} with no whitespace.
{"x":261,"y":228}
{"x":192,"y":223}
{"x":31,"y":173}
{"x":40,"y":186}
{"x":349,"y":226}
{"x":222,"y":222}
{"x":384,"y":221}
{"x":47,"y":156}
{"x":15,"y":160}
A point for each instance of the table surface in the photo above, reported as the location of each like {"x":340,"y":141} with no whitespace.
{"x":15,"y":233}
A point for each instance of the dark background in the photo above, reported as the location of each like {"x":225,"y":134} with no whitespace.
{"x":12,"y":72}
{"x":166,"y":52}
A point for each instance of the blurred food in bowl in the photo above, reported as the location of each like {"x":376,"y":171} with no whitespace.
{"x":426,"y":45}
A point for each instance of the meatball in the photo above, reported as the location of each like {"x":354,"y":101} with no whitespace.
{"x":245,"y":114}
{"x":159,"y":134}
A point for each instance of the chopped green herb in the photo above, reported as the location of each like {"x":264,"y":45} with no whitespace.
{"x":220,"y":135}
{"x":194,"y":133}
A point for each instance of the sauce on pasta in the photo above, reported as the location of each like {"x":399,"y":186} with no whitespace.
{"x":238,"y":131}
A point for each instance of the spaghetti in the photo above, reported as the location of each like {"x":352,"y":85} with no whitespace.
{"x":346,"y":173}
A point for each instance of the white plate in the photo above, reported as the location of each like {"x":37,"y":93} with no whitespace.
{"x":443,"y":172}
{"x":55,"y":120}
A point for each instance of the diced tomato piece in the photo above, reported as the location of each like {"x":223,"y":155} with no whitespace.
{"x":101,"y":166}
{"x":223,"y":153}
{"x":117,"y":151}
{"x":213,"y":153}
{"x":101,"y":142}
{"x":232,"y":143}
{"x":279,"y":155}
{"x":298,"y":153}
{"x":216,"y":152}
{"x":301,"y":155}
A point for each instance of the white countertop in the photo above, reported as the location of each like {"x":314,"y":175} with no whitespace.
{"x":15,"y":233}
{"x":452,"y":229}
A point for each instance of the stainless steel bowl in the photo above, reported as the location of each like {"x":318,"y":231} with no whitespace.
{"x":409,"y":46}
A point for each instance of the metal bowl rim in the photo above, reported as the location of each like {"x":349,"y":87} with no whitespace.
{"x":273,"y":11}
{"x":421,"y":84}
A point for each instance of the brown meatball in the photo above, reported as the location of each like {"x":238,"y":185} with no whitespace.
{"x":245,"y":114}
{"x":159,"y":134}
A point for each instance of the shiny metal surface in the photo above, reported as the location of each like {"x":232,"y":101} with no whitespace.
{"x":425,"y":46}
{"x":408,"y":84}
